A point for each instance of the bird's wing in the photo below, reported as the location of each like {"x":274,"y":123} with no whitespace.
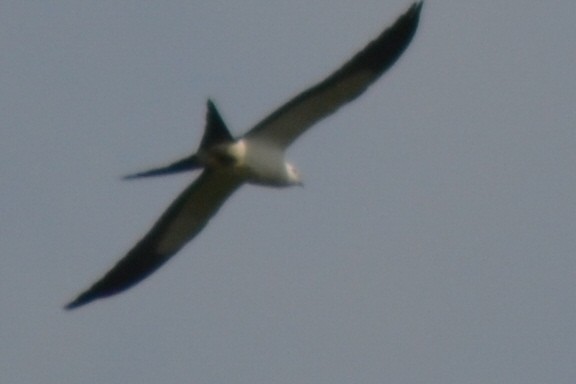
{"x":181,"y":222}
{"x":284,"y":125}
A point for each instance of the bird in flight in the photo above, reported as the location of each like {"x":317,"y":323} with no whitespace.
{"x":254,"y":158}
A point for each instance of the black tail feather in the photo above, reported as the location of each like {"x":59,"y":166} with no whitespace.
{"x":216,"y":131}
{"x":188,"y":164}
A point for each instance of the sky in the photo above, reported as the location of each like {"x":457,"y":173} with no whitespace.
{"x":433,"y":242}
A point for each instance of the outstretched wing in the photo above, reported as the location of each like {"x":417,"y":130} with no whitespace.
{"x":284,"y":125}
{"x":181,"y":222}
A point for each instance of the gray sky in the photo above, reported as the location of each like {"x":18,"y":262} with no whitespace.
{"x":434,"y":241}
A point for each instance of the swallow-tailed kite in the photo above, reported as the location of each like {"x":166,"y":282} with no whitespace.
{"x":255,"y":158}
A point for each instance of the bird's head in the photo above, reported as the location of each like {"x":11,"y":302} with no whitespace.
{"x":293,"y":176}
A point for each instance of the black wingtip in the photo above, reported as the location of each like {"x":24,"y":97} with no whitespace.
{"x":81,"y":300}
{"x":386,"y":49}
{"x":416,"y":7}
{"x":415,"y":10}
{"x":72,"y":305}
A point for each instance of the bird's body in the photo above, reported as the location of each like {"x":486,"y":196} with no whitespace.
{"x":259,"y":164}
{"x":258,"y":157}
